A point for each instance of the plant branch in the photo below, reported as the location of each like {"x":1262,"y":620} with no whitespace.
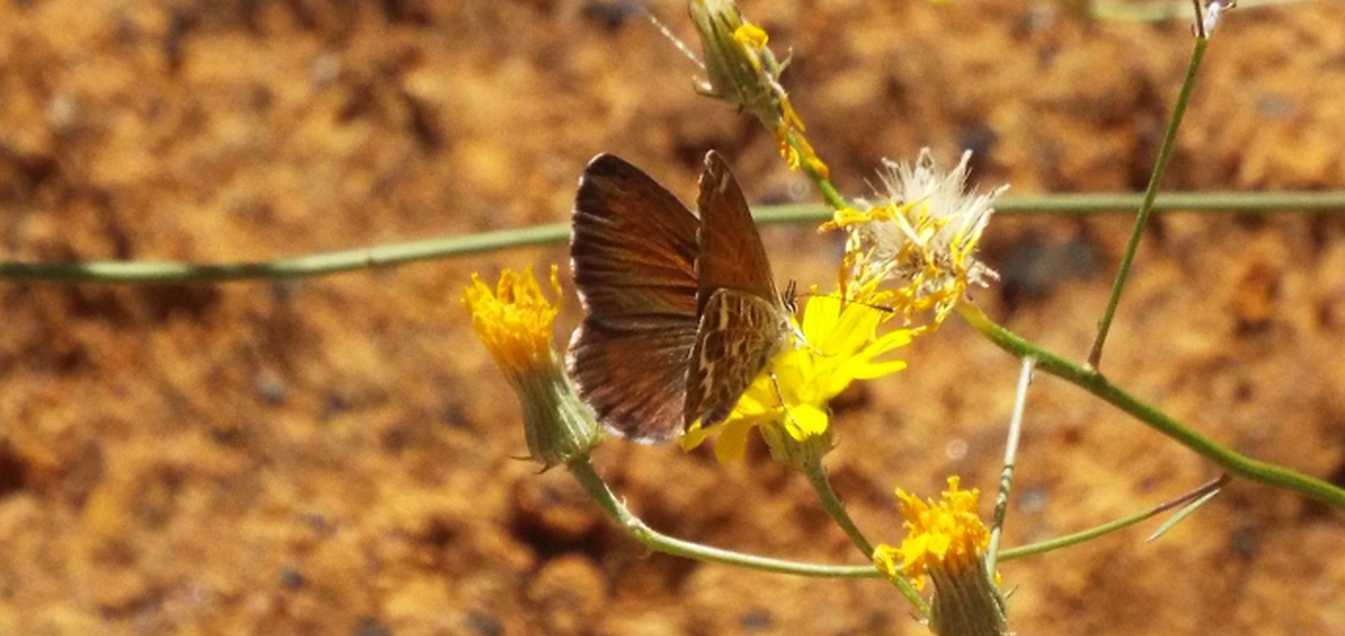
{"x":1010,"y":458}
{"x":817,"y":476}
{"x":832,"y":503}
{"x":593,"y":484}
{"x":1089,"y":379}
{"x":393,"y":254}
{"x":1155,"y":181}
{"x":825,"y":187}
{"x":1111,"y":526}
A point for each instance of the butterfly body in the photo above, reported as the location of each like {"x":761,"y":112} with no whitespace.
{"x":682,"y":310}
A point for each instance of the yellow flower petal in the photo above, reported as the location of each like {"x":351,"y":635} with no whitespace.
{"x":732,"y":441}
{"x":805,"y":421}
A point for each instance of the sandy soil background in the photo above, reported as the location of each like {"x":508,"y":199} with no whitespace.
{"x":334,"y":455}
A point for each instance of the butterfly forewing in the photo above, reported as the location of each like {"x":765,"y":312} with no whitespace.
{"x":743,"y":322}
{"x":731,"y":253}
{"x":633,"y":251}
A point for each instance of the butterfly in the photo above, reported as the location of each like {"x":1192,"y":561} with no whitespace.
{"x":682,"y":313}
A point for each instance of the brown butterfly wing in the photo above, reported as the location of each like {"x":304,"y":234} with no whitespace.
{"x":731,"y":253}
{"x":743,"y":323}
{"x":739,"y":334}
{"x":633,"y":250}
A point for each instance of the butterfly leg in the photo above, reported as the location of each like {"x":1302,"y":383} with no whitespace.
{"x":780,"y":395}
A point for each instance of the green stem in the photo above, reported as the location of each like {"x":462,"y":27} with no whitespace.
{"x":1112,"y":526}
{"x":583,"y":472}
{"x":1010,"y":458}
{"x":588,"y":479}
{"x":161,"y":272}
{"x":823,"y":183}
{"x":1225,"y":201}
{"x":822,"y":486}
{"x":817,"y":476}
{"x":391,"y":254}
{"x":1089,"y":379}
{"x":1155,"y":180}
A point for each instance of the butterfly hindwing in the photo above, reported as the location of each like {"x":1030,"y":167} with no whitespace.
{"x":739,"y":334}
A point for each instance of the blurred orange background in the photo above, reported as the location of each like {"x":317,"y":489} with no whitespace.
{"x":337,"y":455}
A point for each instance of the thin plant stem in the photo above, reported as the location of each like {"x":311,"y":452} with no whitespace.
{"x":1010,"y":458}
{"x":596,"y":488}
{"x":1089,"y":379}
{"x":823,"y":183}
{"x":1214,"y":201}
{"x":1162,"y":10}
{"x":393,"y":254}
{"x":817,"y":476}
{"x":1082,"y":536}
{"x":1150,"y":193}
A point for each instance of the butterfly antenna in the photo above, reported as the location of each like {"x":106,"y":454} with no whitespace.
{"x":676,"y":41}
{"x":883,"y":308}
{"x":791,"y":296}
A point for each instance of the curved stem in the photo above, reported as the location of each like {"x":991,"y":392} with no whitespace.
{"x":583,"y":472}
{"x":1090,"y":380}
{"x":832,"y":504}
{"x":817,"y":476}
{"x":1150,"y":192}
{"x":391,"y":254}
{"x":1111,"y":526}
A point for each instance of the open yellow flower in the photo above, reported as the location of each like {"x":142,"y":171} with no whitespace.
{"x":842,"y":344}
{"x":514,"y":322}
{"x":946,"y":541}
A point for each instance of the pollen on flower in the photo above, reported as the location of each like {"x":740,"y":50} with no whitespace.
{"x":946,"y":535}
{"x":922,"y":236}
{"x":514,"y":321}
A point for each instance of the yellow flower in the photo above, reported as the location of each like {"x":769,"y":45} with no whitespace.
{"x":842,"y":345}
{"x":946,"y":541}
{"x":922,"y":236}
{"x":946,"y":533}
{"x":514,"y":322}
